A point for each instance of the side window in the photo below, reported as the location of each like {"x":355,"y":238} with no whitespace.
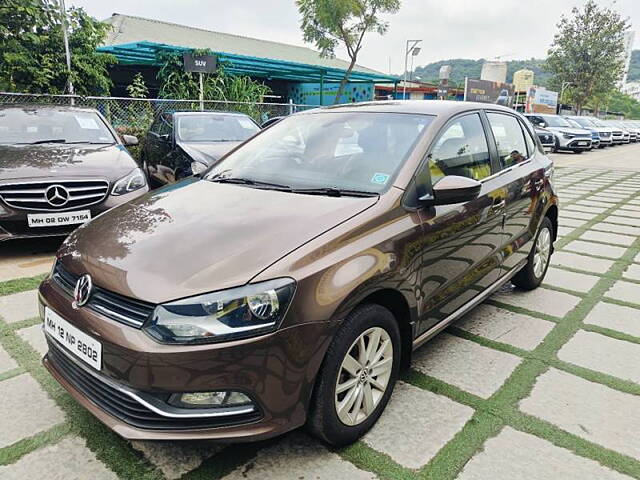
{"x":461,"y":150}
{"x":509,"y":137}
{"x":531,"y":142}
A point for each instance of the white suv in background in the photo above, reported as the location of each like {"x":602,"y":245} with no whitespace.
{"x":567,"y":137}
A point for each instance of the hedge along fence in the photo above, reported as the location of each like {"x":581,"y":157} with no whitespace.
{"x":133,"y":116}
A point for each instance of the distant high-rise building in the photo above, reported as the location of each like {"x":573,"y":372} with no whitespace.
{"x":494,"y":71}
{"x":632,"y":89}
{"x":522,"y":80}
{"x":628,"y":48}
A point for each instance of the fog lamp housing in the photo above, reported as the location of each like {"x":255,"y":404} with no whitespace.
{"x":221,"y":398}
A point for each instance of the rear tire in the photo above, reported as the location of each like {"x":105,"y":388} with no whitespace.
{"x":533,"y":272}
{"x":357,"y":376}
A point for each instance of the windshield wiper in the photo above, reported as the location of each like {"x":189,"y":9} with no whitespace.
{"x":334,"y":192}
{"x":89,"y":143}
{"x":52,"y":140}
{"x":250,"y":182}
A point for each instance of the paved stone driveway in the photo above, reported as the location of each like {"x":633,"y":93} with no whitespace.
{"x":535,"y":385}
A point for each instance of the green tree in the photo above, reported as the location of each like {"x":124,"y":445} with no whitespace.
{"x":32,"y":57}
{"x":588,"y":52}
{"x":330,"y":23}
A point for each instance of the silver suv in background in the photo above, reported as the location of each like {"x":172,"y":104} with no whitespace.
{"x":590,"y":123}
{"x":567,"y":137}
{"x":634,"y":133}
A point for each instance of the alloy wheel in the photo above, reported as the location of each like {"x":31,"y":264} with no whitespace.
{"x":542,"y":252}
{"x":364,"y":376}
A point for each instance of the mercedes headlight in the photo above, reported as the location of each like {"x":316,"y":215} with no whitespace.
{"x":241,"y":312}
{"x":133,"y":181}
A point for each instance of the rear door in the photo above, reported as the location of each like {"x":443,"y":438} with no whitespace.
{"x":462,"y":242}
{"x":521,"y":176}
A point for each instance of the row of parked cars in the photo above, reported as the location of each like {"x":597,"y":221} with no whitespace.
{"x":61,"y":166}
{"x":581,"y":133}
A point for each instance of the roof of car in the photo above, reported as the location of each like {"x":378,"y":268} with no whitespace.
{"x":219,"y":112}
{"x":424,"y":107}
{"x":35,"y":106}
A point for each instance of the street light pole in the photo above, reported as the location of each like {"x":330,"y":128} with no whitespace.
{"x":63,"y":12}
{"x":564,"y":85}
{"x":409,"y":48}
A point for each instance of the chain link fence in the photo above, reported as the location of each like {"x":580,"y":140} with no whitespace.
{"x":133,"y":116}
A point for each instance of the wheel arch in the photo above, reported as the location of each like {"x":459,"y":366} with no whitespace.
{"x":552,"y":214}
{"x":394,"y":301}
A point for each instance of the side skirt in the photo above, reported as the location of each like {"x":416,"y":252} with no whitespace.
{"x":437,"y":328}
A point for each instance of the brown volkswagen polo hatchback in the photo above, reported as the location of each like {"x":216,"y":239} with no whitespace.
{"x":61,"y":166}
{"x":289,"y":283}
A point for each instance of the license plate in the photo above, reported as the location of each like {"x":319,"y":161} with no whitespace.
{"x":582,"y":144}
{"x":86,"y":348}
{"x":57,"y":219}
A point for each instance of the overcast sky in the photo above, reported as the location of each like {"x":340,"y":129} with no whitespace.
{"x":513,"y":29}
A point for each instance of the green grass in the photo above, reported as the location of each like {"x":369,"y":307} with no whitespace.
{"x":20,"y":285}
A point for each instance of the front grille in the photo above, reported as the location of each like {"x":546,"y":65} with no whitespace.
{"x":582,"y":135}
{"x":113,"y":305}
{"x":54,"y":195}
{"x":605,"y":134}
{"x":122,"y":406}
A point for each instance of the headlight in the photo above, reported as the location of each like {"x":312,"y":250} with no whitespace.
{"x":225,"y":315}
{"x":197,"y":167}
{"x":131,"y":182}
{"x":567,"y":135}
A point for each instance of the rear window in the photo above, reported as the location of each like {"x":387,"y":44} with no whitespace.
{"x":215,"y":128}
{"x":33,"y":125}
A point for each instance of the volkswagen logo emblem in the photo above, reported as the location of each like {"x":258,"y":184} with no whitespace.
{"x":82,"y":292}
{"x":56,"y":195}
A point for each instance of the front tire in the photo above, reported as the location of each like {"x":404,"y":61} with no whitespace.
{"x":357,"y":376}
{"x":533,"y":272}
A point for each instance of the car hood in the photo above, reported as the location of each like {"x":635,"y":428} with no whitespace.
{"x":573,"y":130}
{"x":197,"y":236}
{"x":207,"y":153}
{"x":44,"y":161}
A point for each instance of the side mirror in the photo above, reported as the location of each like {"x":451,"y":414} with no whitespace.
{"x":129,"y":140}
{"x":452,"y":189}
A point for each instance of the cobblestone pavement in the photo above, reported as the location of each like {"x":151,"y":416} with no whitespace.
{"x":530,"y":385}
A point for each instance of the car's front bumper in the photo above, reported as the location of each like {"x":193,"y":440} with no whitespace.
{"x":14,"y":222}
{"x":574,"y":144}
{"x":276,"y":371}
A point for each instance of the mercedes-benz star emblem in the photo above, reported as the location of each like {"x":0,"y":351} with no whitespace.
{"x":56,"y":195}
{"x":82,"y":292}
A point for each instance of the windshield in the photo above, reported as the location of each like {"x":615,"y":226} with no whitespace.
{"x":552,"y":121}
{"x":585,"y":122}
{"x":47,"y":125}
{"x":573,"y":123}
{"x":341,"y":150}
{"x":214,"y":127}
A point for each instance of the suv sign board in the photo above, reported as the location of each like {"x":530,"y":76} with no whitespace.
{"x":199,"y":63}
